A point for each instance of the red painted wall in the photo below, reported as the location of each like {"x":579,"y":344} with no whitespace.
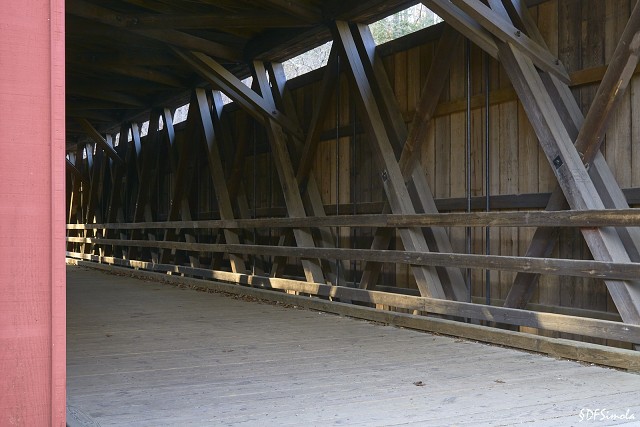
{"x":32,"y":197}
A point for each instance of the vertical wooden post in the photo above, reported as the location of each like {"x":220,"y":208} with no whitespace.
{"x":32,"y":294}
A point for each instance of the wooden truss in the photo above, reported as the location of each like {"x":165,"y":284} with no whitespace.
{"x":541,"y":83}
{"x":502,"y":28}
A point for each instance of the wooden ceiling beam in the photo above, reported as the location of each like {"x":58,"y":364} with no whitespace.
{"x":87,"y":35}
{"x":298,"y":9}
{"x":214,"y":21}
{"x":100,"y":116}
{"x":118,"y":55}
{"x":137,"y":72}
{"x":92,"y":104}
{"x":187,"y":41}
{"x":280,"y":44}
{"x":221,"y":8}
{"x":171,"y":6}
{"x":364,"y":11}
{"x":102,"y":94}
{"x":106,"y":16}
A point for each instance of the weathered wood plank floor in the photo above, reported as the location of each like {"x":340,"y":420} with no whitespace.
{"x":145,"y":354}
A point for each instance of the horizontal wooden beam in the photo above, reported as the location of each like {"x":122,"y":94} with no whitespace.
{"x":176,"y":38}
{"x":208,"y":21}
{"x":499,"y":202}
{"x":568,"y":218}
{"x":301,"y":10}
{"x":96,"y":91}
{"x":146,"y":74}
{"x":96,"y":116}
{"x":79,"y":105}
{"x":188,"y":41}
{"x":552,"y":266}
{"x":497,"y":302}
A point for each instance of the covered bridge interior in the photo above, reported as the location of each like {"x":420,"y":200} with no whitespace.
{"x":421,"y":167}
{"x":476,"y":178}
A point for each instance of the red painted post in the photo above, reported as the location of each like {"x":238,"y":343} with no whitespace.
{"x":32,"y":197}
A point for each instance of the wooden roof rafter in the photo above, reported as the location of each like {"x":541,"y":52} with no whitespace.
{"x":173,"y":37}
{"x":122,"y":44}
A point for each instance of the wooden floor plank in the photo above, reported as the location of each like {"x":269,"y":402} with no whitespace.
{"x":142,"y":353}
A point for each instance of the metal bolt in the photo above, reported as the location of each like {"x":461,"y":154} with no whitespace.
{"x":385,"y":176}
{"x":518,"y":33}
{"x":557,"y":162}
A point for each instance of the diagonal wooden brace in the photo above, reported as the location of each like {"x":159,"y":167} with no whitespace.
{"x":452,"y":279}
{"x":579,"y":190}
{"x":217,"y":172}
{"x":427,"y":278}
{"x":588,"y":140}
{"x":305,"y":151}
{"x":282,"y":160}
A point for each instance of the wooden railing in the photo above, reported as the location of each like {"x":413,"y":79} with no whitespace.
{"x":596,"y":328}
